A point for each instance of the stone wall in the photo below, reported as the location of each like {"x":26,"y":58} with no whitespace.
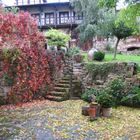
{"x":97,"y":75}
{"x":4,"y":90}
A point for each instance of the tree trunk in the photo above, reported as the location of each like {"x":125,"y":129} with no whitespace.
{"x":58,"y":48}
{"x":115,"y":49}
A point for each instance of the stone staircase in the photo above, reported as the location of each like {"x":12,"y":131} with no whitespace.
{"x":62,"y":89}
{"x":69,"y":86}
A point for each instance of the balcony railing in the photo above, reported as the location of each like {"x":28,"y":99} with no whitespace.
{"x":33,"y":2}
{"x":52,"y":21}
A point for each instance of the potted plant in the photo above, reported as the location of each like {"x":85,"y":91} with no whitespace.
{"x":106,"y":101}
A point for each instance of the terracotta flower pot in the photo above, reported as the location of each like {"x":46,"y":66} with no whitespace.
{"x":92,"y":113}
{"x":97,"y":107}
{"x":106,"y":112}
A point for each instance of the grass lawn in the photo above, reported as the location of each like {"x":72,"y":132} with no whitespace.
{"x":47,"y":120}
{"x":120,"y":57}
{"x":123,"y":57}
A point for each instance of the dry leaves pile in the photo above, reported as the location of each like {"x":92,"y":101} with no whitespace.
{"x":65,"y":120}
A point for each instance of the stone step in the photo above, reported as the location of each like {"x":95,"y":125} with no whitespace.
{"x":99,"y":82}
{"x":64,"y":82}
{"x":64,"y":79}
{"x":75,"y":81}
{"x":60,"y":94}
{"x":74,"y":98}
{"x":68,"y":72}
{"x":68,"y":78}
{"x":68,"y":68}
{"x":55,"y":98}
{"x":61,"y":89}
{"x":78,"y":64}
{"x":63,"y":85}
{"x":77,"y":70}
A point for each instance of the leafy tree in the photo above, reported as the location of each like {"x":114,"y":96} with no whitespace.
{"x":113,"y":3}
{"x":105,"y":24}
{"x":120,"y":31}
{"x":57,"y":38}
{"x":90,"y":10}
{"x":129,"y":17}
{"x":132,"y":1}
{"x":12,"y":9}
{"x":108,"y":3}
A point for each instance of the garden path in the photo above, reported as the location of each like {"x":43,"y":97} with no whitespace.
{"x":46,"y":120}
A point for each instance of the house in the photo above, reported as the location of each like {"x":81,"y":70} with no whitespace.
{"x":58,"y":14}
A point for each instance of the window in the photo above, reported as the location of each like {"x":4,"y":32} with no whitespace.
{"x":64,"y":17}
{"x":37,"y":17}
{"x":78,"y":16}
{"x":49,"y":18}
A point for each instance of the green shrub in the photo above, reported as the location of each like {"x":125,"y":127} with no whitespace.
{"x":105,"y":99}
{"x":8,"y":80}
{"x":99,"y":56}
{"x":102,"y":69}
{"x":89,"y":94}
{"x":73,"y":51}
{"x":132,"y":99}
{"x":137,"y":68}
{"x":117,"y":89}
{"x":57,"y":38}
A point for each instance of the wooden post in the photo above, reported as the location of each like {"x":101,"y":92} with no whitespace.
{"x":28,"y":1}
{"x":40,"y":19}
{"x":55,"y":17}
{"x":17,"y":2}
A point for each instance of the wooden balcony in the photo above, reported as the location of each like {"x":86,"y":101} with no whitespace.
{"x":35,"y":2}
{"x":59,"y":22}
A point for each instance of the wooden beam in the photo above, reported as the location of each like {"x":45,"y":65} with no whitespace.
{"x":16,"y":2}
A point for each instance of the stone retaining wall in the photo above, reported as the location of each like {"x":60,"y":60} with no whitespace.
{"x":4,"y":90}
{"x":93,"y":74}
